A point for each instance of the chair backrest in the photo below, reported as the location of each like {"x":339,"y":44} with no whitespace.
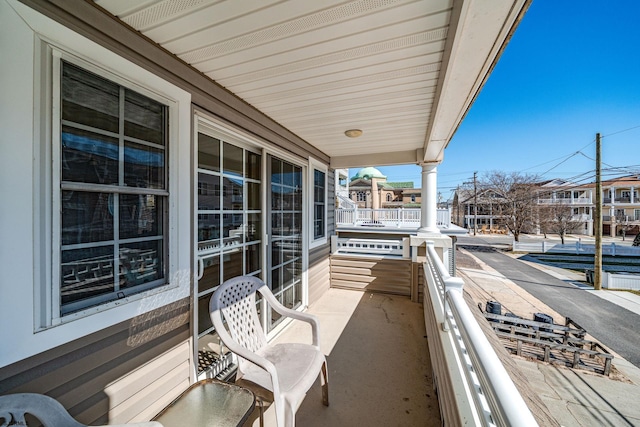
{"x":235,"y":301}
{"x":47,"y":410}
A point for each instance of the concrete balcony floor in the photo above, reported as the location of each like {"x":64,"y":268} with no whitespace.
{"x":379,"y":365}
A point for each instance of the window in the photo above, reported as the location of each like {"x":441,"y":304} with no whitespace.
{"x":413,"y":198}
{"x":319,"y":204}
{"x":361,"y":196}
{"x":112,"y":192}
{"x":317,"y":186}
{"x":389,"y":198}
{"x":637,"y":214}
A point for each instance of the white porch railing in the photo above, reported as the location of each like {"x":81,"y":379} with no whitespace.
{"x":473,"y":386}
{"x":409,"y":218}
{"x":567,"y":201}
{"x":394,"y":248}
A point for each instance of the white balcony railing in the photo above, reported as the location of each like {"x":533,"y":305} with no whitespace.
{"x":407,"y":218}
{"x":567,"y":201}
{"x":473,"y":386}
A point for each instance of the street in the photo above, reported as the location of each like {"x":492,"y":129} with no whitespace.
{"x":614,"y":326}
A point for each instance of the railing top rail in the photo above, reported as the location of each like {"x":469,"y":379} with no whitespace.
{"x":508,"y":408}
{"x":496,"y":399}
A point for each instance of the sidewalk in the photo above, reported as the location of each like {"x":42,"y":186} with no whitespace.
{"x":573,"y":397}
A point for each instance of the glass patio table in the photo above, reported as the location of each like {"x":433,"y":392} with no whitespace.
{"x":209,"y":403}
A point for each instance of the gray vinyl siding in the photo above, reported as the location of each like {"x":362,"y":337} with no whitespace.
{"x":331,"y":203}
{"x":319,"y":266}
{"x":127,"y":372}
{"x":319,"y":277}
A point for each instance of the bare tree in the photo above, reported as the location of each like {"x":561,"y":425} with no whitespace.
{"x":515,"y":201}
{"x":622,"y":224}
{"x":545,"y":213}
{"x":559,"y":218}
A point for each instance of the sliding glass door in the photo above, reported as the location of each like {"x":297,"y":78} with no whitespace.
{"x":229,"y":234}
{"x":285,"y":235}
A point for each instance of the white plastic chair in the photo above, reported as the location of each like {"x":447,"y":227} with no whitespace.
{"x":47,"y":410}
{"x":288,"y":370}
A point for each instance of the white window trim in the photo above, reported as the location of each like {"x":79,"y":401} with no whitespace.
{"x":313,"y":166}
{"x":51,"y":37}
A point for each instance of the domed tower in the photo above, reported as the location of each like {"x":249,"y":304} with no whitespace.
{"x":369,"y":173}
{"x":364,"y":187}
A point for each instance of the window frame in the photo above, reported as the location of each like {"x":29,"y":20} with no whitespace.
{"x":315,"y":165}
{"x":48,"y":309}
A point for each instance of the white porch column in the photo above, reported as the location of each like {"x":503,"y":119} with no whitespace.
{"x":429,"y":204}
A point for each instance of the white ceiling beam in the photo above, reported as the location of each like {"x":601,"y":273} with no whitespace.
{"x":377,"y":159}
{"x":477,"y":35}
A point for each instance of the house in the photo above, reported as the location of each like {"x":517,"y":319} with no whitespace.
{"x":620,"y":205}
{"x":477,"y":210}
{"x":152,"y":150}
{"x":579,"y":198}
{"x":370,"y":189}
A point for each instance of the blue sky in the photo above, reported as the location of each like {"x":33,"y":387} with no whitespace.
{"x":572,"y":69}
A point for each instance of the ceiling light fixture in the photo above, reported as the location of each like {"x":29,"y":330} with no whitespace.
{"x":353,"y":133}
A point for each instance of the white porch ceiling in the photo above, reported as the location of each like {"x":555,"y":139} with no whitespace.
{"x":403,"y":71}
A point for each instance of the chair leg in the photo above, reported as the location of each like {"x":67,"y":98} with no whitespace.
{"x":325,"y":385}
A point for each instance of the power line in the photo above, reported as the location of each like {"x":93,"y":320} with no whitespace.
{"x":622,"y":131}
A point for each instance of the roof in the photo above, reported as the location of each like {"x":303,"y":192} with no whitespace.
{"x":395,"y":185}
{"x":621,"y":181}
{"x":368,"y":173}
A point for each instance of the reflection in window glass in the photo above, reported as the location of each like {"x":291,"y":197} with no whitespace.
{"x":319,"y":204}
{"x":140,"y":263}
{"x":89,"y":100}
{"x":232,"y":195}
{"x":211,"y":274}
{"x":208,"y":153}
{"x":232,"y":159}
{"x":229,"y":216}
{"x":253,"y":258}
{"x":143,"y":166}
{"x":86,"y":217}
{"x":140,"y":215}
{"x":89,"y":157}
{"x":86,"y":273}
{"x":144,"y":118}
{"x":254,"y":226}
{"x":232,"y":264}
{"x":285,"y":231}
{"x":253,"y":167}
{"x":253,"y":196}
{"x":209,"y":228}
{"x":102,"y":262}
{"x":208,"y":192}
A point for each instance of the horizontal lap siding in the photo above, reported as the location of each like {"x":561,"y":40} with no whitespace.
{"x":319,"y":266}
{"x":375,"y":274}
{"x":124,"y":373}
{"x":331,"y":203}
{"x":319,"y":273}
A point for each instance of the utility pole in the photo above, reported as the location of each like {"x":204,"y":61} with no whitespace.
{"x":597,"y":259}
{"x":475,"y":203}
